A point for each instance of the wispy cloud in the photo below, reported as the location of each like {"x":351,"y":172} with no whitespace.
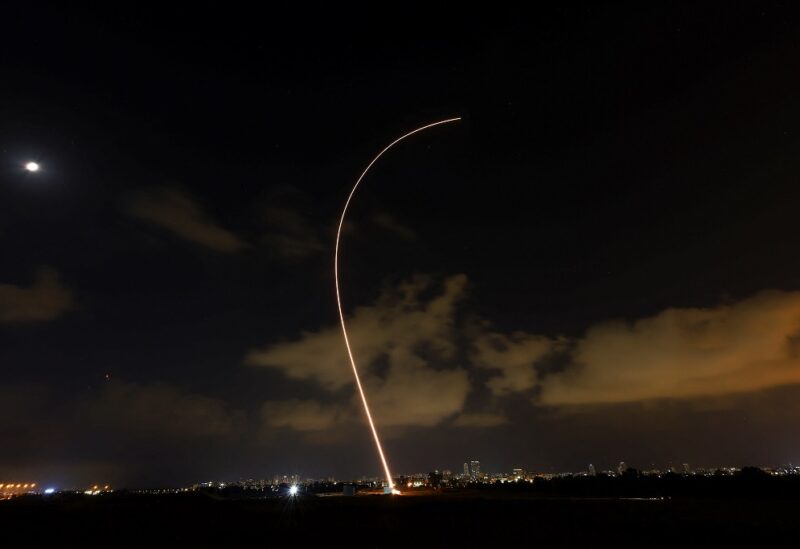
{"x":159,"y":410}
{"x":303,"y":415}
{"x":391,"y":224}
{"x":45,"y":300}
{"x":181,"y":215}
{"x":291,"y":234}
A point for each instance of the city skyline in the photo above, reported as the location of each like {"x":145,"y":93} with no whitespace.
{"x":419,"y":478}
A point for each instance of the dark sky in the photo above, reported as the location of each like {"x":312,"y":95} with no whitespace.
{"x":599,"y":263}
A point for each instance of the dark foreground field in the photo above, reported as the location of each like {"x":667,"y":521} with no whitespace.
{"x":197,"y":520}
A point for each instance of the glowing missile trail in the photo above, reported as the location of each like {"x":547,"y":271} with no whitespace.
{"x":389,"y":481}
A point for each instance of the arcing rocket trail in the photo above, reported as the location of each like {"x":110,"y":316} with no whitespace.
{"x":389,"y":481}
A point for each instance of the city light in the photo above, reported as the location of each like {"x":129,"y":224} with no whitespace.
{"x":32,"y":167}
{"x":49,"y":491}
{"x":293,"y":490}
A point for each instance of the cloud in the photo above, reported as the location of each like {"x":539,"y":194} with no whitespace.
{"x":388,"y":222}
{"x":160,"y":410}
{"x":395,"y":341}
{"x":480,"y":419}
{"x":751,"y":345}
{"x":302,"y":415}
{"x":680,"y":353}
{"x":291,"y":234}
{"x":406,"y":345}
{"x":415,"y":394}
{"x":180,"y":214}
{"x":46,"y":300}
{"x":513,"y":357}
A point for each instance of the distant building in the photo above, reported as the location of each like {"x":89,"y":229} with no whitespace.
{"x":435,"y":479}
{"x":621,"y":468}
{"x":475,"y":469}
{"x":592,"y":471}
{"x":466,"y":470}
{"x":686,"y":469}
{"x":518,"y":474}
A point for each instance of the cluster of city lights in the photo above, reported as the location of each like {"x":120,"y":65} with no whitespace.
{"x":12,"y":489}
{"x":11,"y":486}
{"x":94,"y":490}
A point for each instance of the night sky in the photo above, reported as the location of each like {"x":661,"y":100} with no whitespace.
{"x":601,"y":262}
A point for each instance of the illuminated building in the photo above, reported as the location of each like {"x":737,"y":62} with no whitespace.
{"x":592,"y":471}
{"x":475,"y":469}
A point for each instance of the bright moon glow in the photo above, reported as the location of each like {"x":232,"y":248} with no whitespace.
{"x":293,"y":490}
{"x":390,"y":484}
{"x":32,"y":167}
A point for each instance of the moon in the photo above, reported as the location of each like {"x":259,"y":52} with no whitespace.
{"x":32,"y":166}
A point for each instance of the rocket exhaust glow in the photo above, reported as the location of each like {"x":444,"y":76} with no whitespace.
{"x":389,"y":481}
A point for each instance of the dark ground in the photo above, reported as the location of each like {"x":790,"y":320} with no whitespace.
{"x":456,"y":520}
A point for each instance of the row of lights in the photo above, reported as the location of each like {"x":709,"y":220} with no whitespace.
{"x":12,"y":486}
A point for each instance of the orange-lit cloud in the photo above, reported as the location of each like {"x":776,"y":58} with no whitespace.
{"x":46,"y":300}
{"x":750,"y":345}
{"x":679,"y":353}
{"x":409,"y":350}
{"x":513,"y":356}
{"x":394,"y":331}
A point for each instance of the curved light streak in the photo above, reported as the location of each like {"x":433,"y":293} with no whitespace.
{"x":339,"y":297}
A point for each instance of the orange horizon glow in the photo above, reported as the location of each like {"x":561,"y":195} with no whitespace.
{"x":339,"y":298}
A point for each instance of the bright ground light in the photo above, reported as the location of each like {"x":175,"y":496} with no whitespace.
{"x":32,"y":167}
{"x":293,"y":490}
